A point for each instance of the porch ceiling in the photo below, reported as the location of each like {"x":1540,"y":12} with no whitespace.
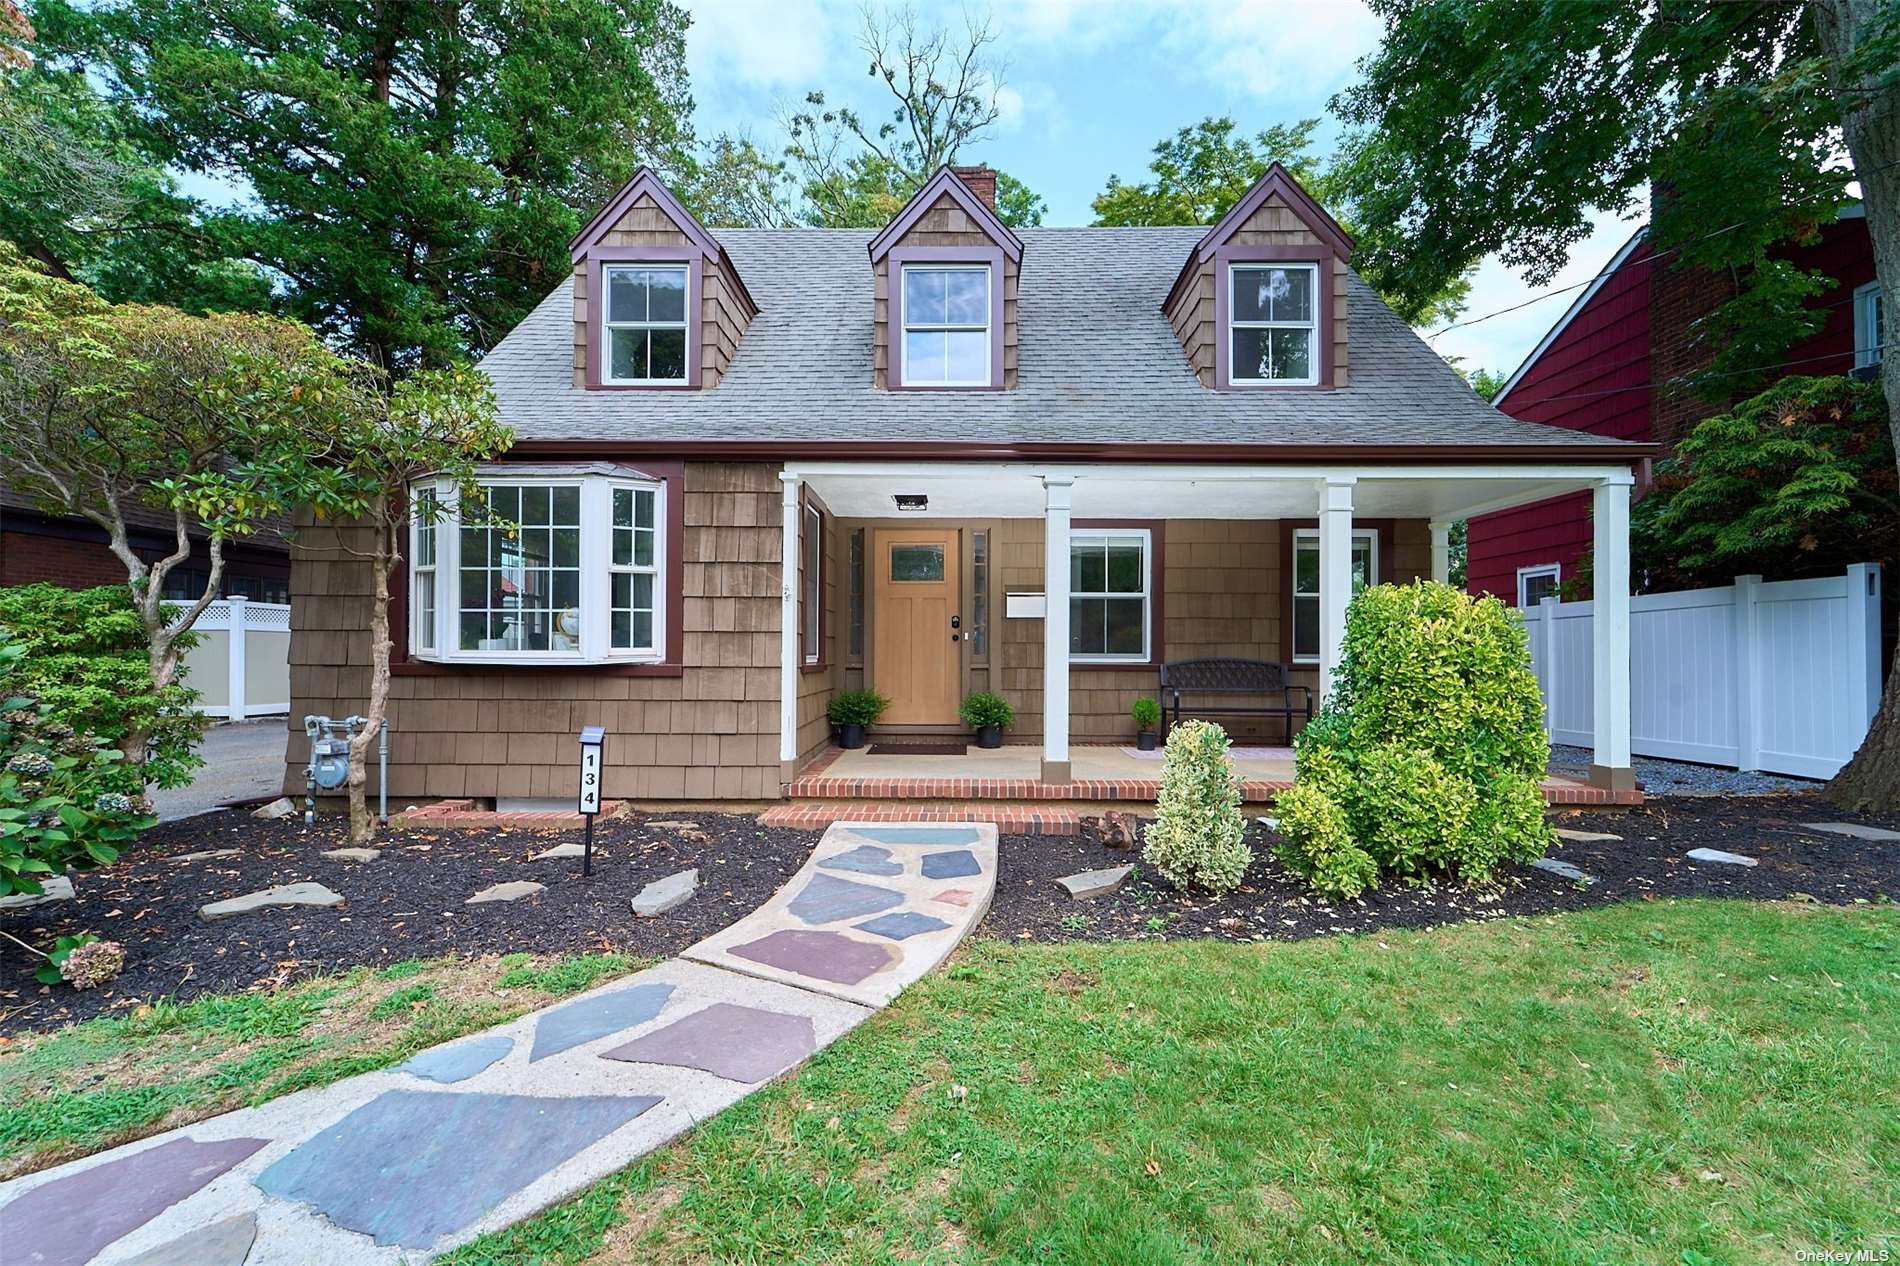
{"x":996,"y":491}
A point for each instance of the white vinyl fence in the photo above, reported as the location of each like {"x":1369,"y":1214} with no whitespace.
{"x":241,"y":665}
{"x":1782,"y":677}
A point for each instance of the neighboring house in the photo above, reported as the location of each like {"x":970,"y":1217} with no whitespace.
{"x":1596,"y":371}
{"x":755,"y":468}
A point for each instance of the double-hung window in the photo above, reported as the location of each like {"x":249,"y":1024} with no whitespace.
{"x":644,"y":324}
{"x":1273,"y":320}
{"x":945,"y":316}
{"x":555,"y":569}
{"x":1365,"y":571}
{"x":1109,"y":585}
{"x":1868,"y":324}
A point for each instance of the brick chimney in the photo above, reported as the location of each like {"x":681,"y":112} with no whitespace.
{"x":981,"y":181}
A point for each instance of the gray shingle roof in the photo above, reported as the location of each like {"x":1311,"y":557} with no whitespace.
{"x":1098,"y":363}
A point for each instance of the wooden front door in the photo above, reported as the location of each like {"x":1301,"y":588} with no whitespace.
{"x":914,"y":648}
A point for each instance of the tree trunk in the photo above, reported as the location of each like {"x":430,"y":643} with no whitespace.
{"x":363,"y":743}
{"x":1870,"y":123}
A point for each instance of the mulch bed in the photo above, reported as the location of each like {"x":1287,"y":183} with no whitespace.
{"x":408,"y":903}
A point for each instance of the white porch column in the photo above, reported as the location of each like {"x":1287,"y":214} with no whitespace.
{"x":1335,"y":573}
{"x":791,"y":485}
{"x":1611,"y":627}
{"x":1058,"y":499}
{"x":1441,"y":552}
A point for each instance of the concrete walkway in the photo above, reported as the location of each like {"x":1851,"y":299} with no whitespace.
{"x":471,"y":1136}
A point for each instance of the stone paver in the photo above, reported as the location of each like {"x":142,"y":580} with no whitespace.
{"x":1587,"y":837}
{"x":1563,"y":870}
{"x":901,"y":925}
{"x":350,"y":854}
{"x":513,"y":890}
{"x":1853,"y":830}
{"x":955,"y":896}
{"x":1095,"y":883}
{"x":664,"y":895}
{"x":827,"y":898}
{"x":951,"y":865}
{"x":393,"y":1167}
{"x":1717,"y":856}
{"x":278,"y":808}
{"x":204,"y":855}
{"x":865,"y":859}
{"x":559,"y":852}
{"x":288,"y":895}
{"x":57,"y":888}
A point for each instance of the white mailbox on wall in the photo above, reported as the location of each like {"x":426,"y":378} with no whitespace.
{"x":1025,"y":606}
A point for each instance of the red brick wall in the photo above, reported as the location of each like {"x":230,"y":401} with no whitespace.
{"x":27,"y":558}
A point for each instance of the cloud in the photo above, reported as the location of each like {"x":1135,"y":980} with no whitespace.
{"x":764,"y":44}
{"x":1009,"y":109}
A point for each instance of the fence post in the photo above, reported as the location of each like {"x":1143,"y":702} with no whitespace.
{"x":1863,"y":646}
{"x":1547,"y":630}
{"x":234,"y":656}
{"x":1748,"y":683}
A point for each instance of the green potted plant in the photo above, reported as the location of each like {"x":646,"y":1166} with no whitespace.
{"x":852,"y":711}
{"x":1147,"y":714}
{"x":989,"y":715}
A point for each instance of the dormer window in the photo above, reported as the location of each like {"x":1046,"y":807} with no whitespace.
{"x":645,"y":325}
{"x":1274,"y":325}
{"x":947,"y":325}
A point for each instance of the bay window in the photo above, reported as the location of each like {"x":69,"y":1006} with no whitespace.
{"x":1273,"y":324}
{"x":1109,"y":585}
{"x":1365,"y":570}
{"x":540,"y":569}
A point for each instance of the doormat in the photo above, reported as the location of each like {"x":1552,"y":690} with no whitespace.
{"x":919,"y":749}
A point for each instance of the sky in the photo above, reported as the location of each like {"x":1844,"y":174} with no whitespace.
{"x":1089,"y":86}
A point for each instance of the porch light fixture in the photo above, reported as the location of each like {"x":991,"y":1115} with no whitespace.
{"x":911,"y":502}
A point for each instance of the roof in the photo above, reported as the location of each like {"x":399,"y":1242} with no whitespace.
{"x":1098,"y":364}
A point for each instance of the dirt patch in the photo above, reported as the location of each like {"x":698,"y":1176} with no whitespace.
{"x":408,"y":903}
{"x":622,"y":1246}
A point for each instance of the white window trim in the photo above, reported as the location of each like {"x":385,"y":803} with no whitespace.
{"x":655,"y":569}
{"x":1867,"y":332}
{"x":1554,"y":570}
{"x":1306,"y":536}
{"x":811,"y":588}
{"x":608,"y":325}
{"x":904,"y":326}
{"x":417,"y":526}
{"x":596,"y":564}
{"x":1235,"y":323}
{"x":1145,"y":539}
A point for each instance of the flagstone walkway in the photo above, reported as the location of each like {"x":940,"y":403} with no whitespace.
{"x":401,"y":1165}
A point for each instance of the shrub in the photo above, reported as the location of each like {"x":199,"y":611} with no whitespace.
{"x":86,"y":659}
{"x":1147,"y":714}
{"x":1430,"y":750}
{"x":857,"y":707}
{"x":60,"y":804}
{"x":1198,"y":838}
{"x":984,"y":709}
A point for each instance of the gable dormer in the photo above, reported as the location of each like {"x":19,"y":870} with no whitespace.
{"x":946,"y":272}
{"x":658,"y":304}
{"x":1261,"y":303}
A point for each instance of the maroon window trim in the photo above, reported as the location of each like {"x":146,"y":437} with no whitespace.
{"x":597,"y":256}
{"x":894,"y":303}
{"x":1224,"y":260}
{"x":671,"y":475}
{"x":1384,"y":529}
{"x":1157,"y":594}
{"x":822,"y":663}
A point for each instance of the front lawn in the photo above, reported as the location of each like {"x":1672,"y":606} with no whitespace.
{"x":1685,"y":1082}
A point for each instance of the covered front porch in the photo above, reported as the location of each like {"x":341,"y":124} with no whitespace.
{"x":1108,"y":571}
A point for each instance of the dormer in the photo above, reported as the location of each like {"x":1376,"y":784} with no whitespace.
{"x":1261,"y":303}
{"x":658,"y":305}
{"x":946,"y":272}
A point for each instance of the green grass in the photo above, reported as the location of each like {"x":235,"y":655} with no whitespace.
{"x":1680,"y":1083}
{"x":117,"y":1078}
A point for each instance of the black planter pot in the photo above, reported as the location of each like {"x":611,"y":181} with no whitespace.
{"x":989,"y":736}
{"x":850,"y":736}
{"x":1146,"y":741}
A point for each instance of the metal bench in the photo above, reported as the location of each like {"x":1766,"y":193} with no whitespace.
{"x":1233,"y":677}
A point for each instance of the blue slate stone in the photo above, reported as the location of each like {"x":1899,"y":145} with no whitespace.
{"x":902,"y":924}
{"x":411,"y":1166}
{"x":459,"y":1061}
{"x":865,"y":859}
{"x":566,"y":1027}
{"x":951,"y":865}
{"x":919,"y":834}
{"x":827,"y":898}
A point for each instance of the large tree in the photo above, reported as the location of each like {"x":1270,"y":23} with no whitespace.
{"x":415,"y":169}
{"x":1492,"y":126}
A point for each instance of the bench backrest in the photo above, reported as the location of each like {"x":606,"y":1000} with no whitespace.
{"x":1224,"y":676}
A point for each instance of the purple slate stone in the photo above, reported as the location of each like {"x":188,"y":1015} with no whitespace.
{"x":460,"y":1061}
{"x":411,"y":1166}
{"x":566,"y":1027}
{"x":66,"y":1221}
{"x":820,"y":955}
{"x":951,"y":865}
{"x":727,"y":1040}
{"x":865,"y":859}
{"x":827,"y":898}
{"x":901,"y":924}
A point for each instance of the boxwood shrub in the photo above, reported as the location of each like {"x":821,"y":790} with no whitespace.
{"x":1428,"y":757}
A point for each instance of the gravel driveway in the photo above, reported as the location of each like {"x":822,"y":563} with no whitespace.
{"x":243,"y":760}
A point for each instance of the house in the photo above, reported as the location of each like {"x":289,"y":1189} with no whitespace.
{"x":1597,"y":369}
{"x":757,"y":467}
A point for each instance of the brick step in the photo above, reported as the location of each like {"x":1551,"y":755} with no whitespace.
{"x":1010,"y":819}
{"x":1093,"y":790}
